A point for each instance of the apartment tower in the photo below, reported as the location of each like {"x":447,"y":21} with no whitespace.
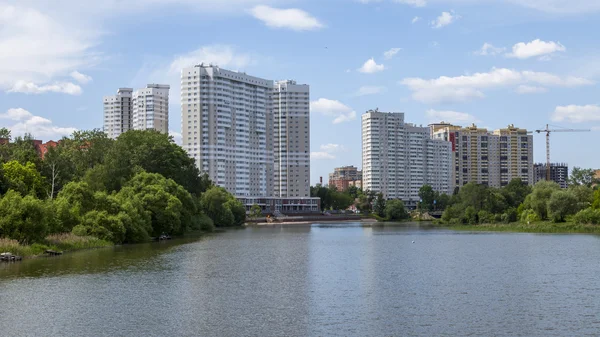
{"x":143,"y":109}
{"x":118,"y":112}
{"x":227,"y":127}
{"x":151,"y":108}
{"x":399,"y":158}
{"x":488,"y":158}
{"x":559,"y":173}
{"x":291,"y":138}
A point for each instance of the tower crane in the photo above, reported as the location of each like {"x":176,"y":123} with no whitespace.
{"x":547,"y":131}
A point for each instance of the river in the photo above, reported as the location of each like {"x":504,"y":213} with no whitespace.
{"x":320,"y":280}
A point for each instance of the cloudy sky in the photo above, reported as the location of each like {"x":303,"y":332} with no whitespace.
{"x":489,"y":62}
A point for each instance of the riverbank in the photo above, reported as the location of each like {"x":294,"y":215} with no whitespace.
{"x":537,"y":227}
{"x":66,"y":242}
{"x":312,"y":220}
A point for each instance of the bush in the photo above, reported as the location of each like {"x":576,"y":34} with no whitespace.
{"x":395,"y":210}
{"x":529,"y":216}
{"x":24,"y":219}
{"x":587,"y":216}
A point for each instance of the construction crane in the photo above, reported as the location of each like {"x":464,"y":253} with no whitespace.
{"x":548,"y":131}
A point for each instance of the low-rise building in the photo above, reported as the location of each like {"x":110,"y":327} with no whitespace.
{"x":282,"y":205}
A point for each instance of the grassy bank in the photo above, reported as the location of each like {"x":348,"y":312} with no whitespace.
{"x":58,"y":242}
{"x":537,"y":227}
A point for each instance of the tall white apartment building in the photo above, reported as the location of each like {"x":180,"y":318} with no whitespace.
{"x":143,"y":109}
{"x":151,"y":108}
{"x":227,"y":126}
{"x":117,"y":112}
{"x":291,"y":138}
{"x":399,"y":158}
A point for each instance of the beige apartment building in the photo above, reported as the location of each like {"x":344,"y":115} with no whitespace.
{"x":489,"y":158}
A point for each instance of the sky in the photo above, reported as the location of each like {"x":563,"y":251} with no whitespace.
{"x":488,"y":62}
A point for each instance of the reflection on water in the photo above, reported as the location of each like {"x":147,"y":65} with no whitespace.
{"x":333,"y":280}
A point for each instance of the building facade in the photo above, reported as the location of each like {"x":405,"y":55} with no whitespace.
{"x":150,"y":108}
{"x":399,"y":158}
{"x":559,"y":173}
{"x":291,"y":139}
{"x":282,"y":205}
{"x":143,"y":109}
{"x":488,"y":158}
{"x":227,"y":128}
{"x":118,"y":112}
{"x":344,"y":177}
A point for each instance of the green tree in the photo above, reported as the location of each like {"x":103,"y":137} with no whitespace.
{"x":153,"y":152}
{"x":539,"y":197}
{"x":515,"y":192}
{"x":214,"y":203}
{"x":5,"y":134}
{"x":585,"y":177}
{"x":427,"y":196}
{"x":353,"y":192}
{"x":395,"y":210}
{"x":102,"y":225}
{"x":24,"y":179}
{"x":24,"y":219}
{"x":562,"y":204}
{"x":340,"y":201}
{"x":379,"y":206}
{"x":255,"y":212}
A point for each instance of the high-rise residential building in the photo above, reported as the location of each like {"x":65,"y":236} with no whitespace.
{"x":559,"y":173}
{"x":399,"y":158}
{"x":227,"y":128}
{"x":489,"y":158}
{"x":151,"y":108}
{"x":344,"y":177}
{"x":291,"y":138}
{"x":143,"y":109}
{"x":117,"y":112}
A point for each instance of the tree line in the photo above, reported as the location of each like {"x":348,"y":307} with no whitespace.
{"x":545,"y":201}
{"x":478,"y":204}
{"x":127,"y":190}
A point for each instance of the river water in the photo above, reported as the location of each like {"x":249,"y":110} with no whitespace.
{"x":320,"y":280}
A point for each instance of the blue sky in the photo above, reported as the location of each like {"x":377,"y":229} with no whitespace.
{"x":492,"y":62}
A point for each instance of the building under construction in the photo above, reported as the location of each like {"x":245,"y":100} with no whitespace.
{"x":559,"y":173}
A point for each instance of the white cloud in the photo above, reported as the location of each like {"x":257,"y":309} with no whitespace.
{"x":32,"y":88}
{"x":293,"y":18}
{"x":330,"y":148}
{"x":444,"y":19}
{"x":415,"y":19}
{"x":177,"y":137}
{"x":37,"y":48}
{"x":453,"y":117}
{"x":489,"y":49}
{"x":321,"y":155}
{"x":468,"y":87}
{"x":577,"y":113}
{"x":528,"y":89}
{"x":221,"y":55}
{"x":39,"y":127}
{"x":391,"y":53}
{"x":327,"y":151}
{"x":370,"y":67}
{"x":81,"y":78}
{"x":416,"y":3}
{"x":332,"y":108}
{"x":560,"y":6}
{"x":370,"y":90}
{"x":535,"y":48}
